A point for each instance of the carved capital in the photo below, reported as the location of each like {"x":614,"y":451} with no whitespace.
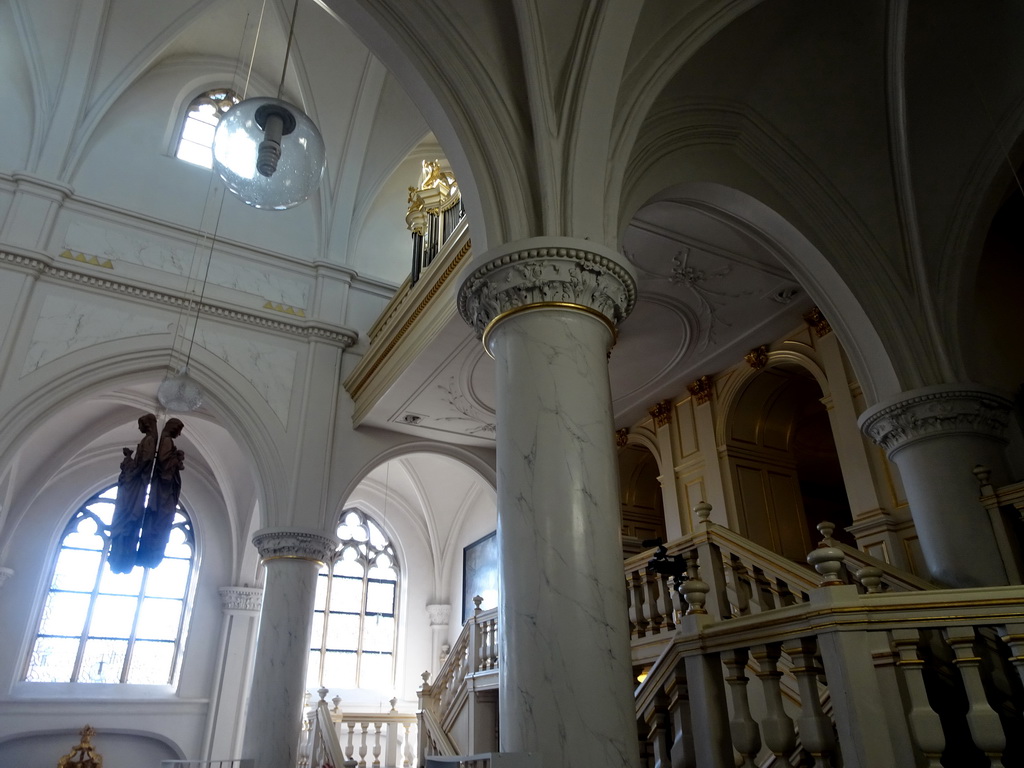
{"x":294,"y":544}
{"x":814,"y":318}
{"x":937,"y":412}
{"x":701,"y":389}
{"x":621,"y":437}
{"x":241,"y":598}
{"x":440,"y":614}
{"x":661,"y":413}
{"x":551,"y":276}
{"x":757,"y":358}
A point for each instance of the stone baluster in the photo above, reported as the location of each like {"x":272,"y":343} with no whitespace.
{"x":375,"y":751}
{"x":816,"y":732}
{"x":776,"y":727}
{"x":652,"y":614}
{"x":406,"y":745}
{"x":364,"y":743}
{"x":1013,"y":636}
{"x":493,"y":635}
{"x":676,"y":689}
{"x":739,"y":580}
{"x":924,"y":722}
{"x":986,"y":729}
{"x":665,"y":608}
{"x":350,"y":743}
{"x":659,"y":735}
{"x":632,"y":611}
{"x":746,"y":737}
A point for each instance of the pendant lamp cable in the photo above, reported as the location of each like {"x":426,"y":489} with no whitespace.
{"x":288,"y":48}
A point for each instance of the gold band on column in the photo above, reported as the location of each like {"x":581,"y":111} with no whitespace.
{"x":547,"y":305}
{"x":315,"y":560}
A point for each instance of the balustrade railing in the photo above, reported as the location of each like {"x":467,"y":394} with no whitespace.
{"x":742,"y":578}
{"x":334,"y":738}
{"x":471,"y":666}
{"x":887,"y":679}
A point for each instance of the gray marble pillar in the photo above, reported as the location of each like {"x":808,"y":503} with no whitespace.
{"x":547,"y":310}
{"x":936,"y":436}
{"x":293,"y":558}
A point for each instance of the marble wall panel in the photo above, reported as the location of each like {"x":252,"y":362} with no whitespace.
{"x":68,"y":323}
{"x":268,"y":367}
{"x":170,"y":255}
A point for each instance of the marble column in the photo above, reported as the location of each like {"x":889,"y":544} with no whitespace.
{"x":547,"y":310}
{"x":936,"y":435}
{"x":293,"y":558}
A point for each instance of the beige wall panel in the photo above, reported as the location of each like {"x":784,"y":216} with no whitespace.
{"x":788,"y":514}
{"x":752,"y":504}
{"x":687,"y":440}
{"x":694,"y":492}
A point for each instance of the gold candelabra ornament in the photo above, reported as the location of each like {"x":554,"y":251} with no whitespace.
{"x":83,"y":754}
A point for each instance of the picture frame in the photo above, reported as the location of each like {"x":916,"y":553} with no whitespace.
{"x":480,"y":574}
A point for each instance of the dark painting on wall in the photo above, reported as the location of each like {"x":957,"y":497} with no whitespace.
{"x":480,"y":574}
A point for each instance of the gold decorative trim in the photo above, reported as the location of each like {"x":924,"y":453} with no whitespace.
{"x":354,"y":392}
{"x":284,"y":308}
{"x":701,"y":389}
{"x":817,"y":320}
{"x":91,"y":260}
{"x":547,"y":305}
{"x":757,"y":358}
{"x":661,"y":413}
{"x":315,"y":560}
{"x":621,"y":437}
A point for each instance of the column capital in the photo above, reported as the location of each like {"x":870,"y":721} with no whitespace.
{"x":548,"y":272}
{"x":936,"y":411}
{"x":295,"y":544}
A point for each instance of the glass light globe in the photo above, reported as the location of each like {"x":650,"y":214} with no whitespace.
{"x":180,"y":392}
{"x":244,"y":153}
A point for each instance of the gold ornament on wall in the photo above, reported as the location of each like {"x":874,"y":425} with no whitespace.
{"x":816,"y":319}
{"x":661,"y":413}
{"x":621,"y":437}
{"x":757,"y":358}
{"x":83,"y":754}
{"x":701,"y":389}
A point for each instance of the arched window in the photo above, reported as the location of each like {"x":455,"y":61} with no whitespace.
{"x":195,"y":144}
{"x":353,"y":641}
{"x":101,"y":627}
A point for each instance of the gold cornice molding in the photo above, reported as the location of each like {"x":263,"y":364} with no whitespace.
{"x":374,"y":359}
{"x":44,"y":268}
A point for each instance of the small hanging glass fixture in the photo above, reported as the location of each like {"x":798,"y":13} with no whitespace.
{"x":269,"y":152}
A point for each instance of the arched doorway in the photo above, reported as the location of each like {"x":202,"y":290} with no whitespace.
{"x":642,"y":506}
{"x":783,"y":463}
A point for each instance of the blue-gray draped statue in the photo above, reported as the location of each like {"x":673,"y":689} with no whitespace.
{"x":139,"y":532}
{"x":129,"y":509}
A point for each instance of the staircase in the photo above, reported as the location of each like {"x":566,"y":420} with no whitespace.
{"x":762,"y":662}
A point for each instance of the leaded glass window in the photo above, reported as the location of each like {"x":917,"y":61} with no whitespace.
{"x":101,"y":627}
{"x":355,"y":621}
{"x":195,"y":144}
